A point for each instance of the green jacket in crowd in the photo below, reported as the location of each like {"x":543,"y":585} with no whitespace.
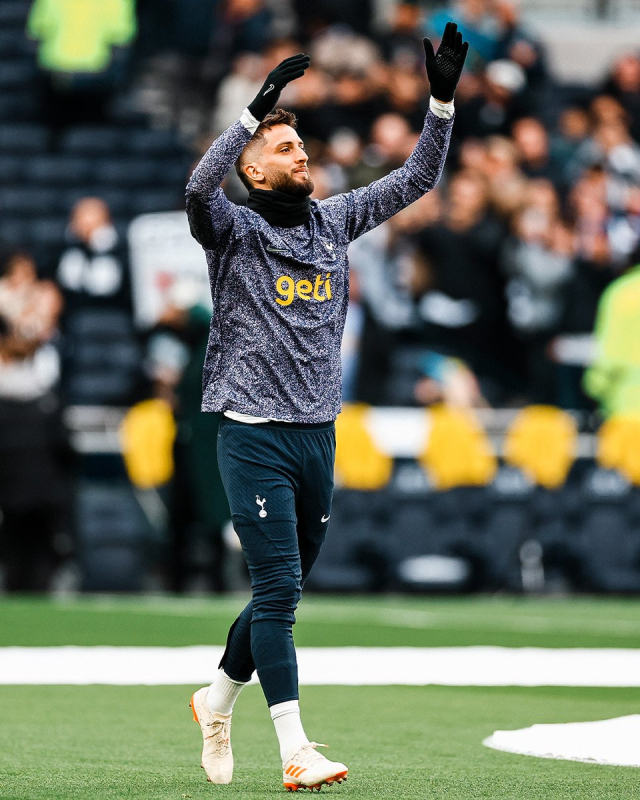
{"x":614,"y":378}
{"x":77,"y":35}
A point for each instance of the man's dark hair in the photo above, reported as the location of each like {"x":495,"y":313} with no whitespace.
{"x":276,"y":117}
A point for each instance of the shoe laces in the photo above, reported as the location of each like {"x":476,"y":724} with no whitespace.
{"x":308,"y":754}
{"x":220,"y":734}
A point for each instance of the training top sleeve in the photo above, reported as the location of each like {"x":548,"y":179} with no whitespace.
{"x":210,"y":213}
{"x":362,"y":209}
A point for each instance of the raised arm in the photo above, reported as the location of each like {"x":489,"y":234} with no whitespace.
{"x":365,"y":208}
{"x":210,"y":212}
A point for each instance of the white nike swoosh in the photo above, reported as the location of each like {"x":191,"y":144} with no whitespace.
{"x":269,"y":89}
{"x":275,"y":249}
{"x":326,"y":519}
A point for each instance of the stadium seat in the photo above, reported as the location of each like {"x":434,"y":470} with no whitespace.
{"x":111,"y":533}
{"x":92,"y":141}
{"x":507,"y":527}
{"x":359,"y":462}
{"x":149,"y":202}
{"x":13,"y":43}
{"x":619,"y":446}
{"x":146,"y":142}
{"x":554,"y":516}
{"x":148,"y":432}
{"x":16,"y":74}
{"x":134,"y":173}
{"x":14,"y":231}
{"x":609,"y":551}
{"x":541,"y":442}
{"x":498,"y":533}
{"x":112,"y":569}
{"x":428,"y":548}
{"x":174,"y":173}
{"x":457,"y":451}
{"x":12,"y":169}
{"x":28,"y":201}
{"x":351,"y":559}
{"x":103,"y":362}
{"x":13,"y":13}
{"x":633,"y":510}
{"x":17,"y":138}
{"x":19,"y":107}
{"x":60,"y":171}
{"x":107,"y":513}
{"x":48,"y":231}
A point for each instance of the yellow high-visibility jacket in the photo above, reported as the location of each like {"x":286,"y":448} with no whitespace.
{"x":77,"y":35}
{"x":614,"y":377}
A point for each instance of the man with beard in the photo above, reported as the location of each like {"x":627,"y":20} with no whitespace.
{"x":280,"y":285}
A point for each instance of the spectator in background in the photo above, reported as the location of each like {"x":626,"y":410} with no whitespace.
{"x":462,"y":310}
{"x":448,"y":381}
{"x":101,"y":358}
{"x":34,"y":454}
{"x":197,"y":502}
{"x":521,"y":47}
{"x":623,"y":84}
{"x":317,"y":15}
{"x":389,"y":274}
{"x":536,"y":159}
{"x":406,"y":94}
{"x":494,"y":102}
{"x":506,"y":183}
{"x":237,"y":87}
{"x":401,"y":44}
{"x":240,"y":26}
{"x":84,"y":49}
{"x":92,"y":271}
{"x":613,"y":380}
{"x":572,"y":131}
{"x":593,"y":266}
{"x":538,"y":262}
{"x":610,"y":144}
{"x":478,"y":22}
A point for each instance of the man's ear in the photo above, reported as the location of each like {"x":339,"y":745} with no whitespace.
{"x":254,"y":172}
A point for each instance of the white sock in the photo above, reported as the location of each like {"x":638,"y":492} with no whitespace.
{"x":289,"y":730}
{"x":223,"y":693}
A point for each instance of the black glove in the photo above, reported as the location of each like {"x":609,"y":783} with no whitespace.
{"x":286,"y":71}
{"x":445,"y":67}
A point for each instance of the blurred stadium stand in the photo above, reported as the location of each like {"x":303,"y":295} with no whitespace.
{"x":510,"y":480}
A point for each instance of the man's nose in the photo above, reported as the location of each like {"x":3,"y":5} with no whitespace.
{"x":302,"y":157}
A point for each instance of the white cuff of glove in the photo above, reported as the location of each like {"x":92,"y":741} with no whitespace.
{"x":442,"y":110}
{"x":249,"y":121}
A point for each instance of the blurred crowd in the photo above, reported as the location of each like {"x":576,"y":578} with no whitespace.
{"x":482,"y":294}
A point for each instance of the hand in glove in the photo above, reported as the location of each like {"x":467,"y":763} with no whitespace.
{"x":287,"y":71}
{"x":445,"y":67}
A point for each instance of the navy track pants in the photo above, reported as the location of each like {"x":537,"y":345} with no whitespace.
{"x":279,"y":482}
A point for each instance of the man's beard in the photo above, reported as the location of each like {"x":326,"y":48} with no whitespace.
{"x":285,"y":182}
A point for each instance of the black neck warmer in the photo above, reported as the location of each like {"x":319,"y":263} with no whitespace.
{"x":279,"y":208}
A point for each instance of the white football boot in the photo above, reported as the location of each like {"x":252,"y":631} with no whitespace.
{"x":309,"y":769}
{"x":217,"y":758}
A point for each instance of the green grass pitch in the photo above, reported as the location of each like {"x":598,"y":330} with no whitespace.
{"x":103,"y":742}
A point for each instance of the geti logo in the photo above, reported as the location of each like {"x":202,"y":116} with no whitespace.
{"x":304,"y":289}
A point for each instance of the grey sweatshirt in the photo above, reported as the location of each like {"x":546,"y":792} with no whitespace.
{"x":280,"y":295}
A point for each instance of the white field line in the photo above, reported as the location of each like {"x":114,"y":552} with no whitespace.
{"x":349,"y":666}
